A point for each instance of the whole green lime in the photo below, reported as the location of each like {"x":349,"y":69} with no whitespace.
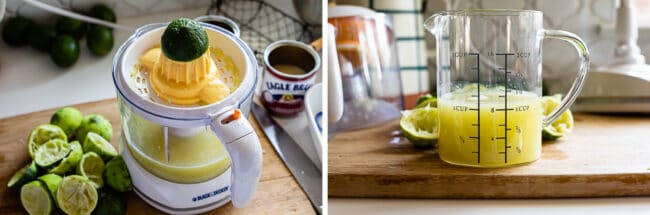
{"x":41,"y":37}
{"x":16,"y":30}
{"x":65,"y":51}
{"x":99,"y":40}
{"x":68,"y":119}
{"x":116,"y":175}
{"x":95,"y":123}
{"x":110,"y":203}
{"x":184,"y":40}
{"x":423,"y":98}
{"x":74,"y":27}
{"x":103,"y":12}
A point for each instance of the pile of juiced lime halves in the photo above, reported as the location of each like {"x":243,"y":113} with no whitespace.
{"x":72,"y":161}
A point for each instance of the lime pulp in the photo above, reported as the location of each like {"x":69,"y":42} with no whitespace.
{"x":70,"y":161}
{"x":41,"y":134}
{"x":92,"y":167}
{"x":76,"y":195}
{"x":51,"y":152}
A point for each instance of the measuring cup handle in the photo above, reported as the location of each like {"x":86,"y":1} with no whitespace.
{"x":245,"y":151}
{"x":583,"y":55}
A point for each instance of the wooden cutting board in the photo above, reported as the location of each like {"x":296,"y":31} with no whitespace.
{"x":604,"y":156}
{"x":277,"y":193}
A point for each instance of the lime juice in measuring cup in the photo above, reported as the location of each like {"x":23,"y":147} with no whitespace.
{"x":467,"y":125}
{"x":489,"y":83}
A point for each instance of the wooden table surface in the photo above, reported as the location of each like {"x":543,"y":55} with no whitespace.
{"x":277,"y":193}
{"x":603,"y":156}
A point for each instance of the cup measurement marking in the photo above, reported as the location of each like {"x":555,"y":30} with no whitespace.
{"x":478,"y":108}
{"x":505,"y":106}
{"x":505,"y":110}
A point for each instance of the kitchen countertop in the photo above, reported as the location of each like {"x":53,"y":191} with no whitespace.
{"x":30,"y":82}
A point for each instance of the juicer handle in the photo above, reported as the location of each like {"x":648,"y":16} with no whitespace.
{"x":335,"y":89}
{"x":583,"y":55}
{"x":244,"y":150}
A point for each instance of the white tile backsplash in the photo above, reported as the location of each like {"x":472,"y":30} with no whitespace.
{"x":396,"y":5}
{"x":405,"y":25}
{"x":410,"y":80}
{"x":411,"y":53}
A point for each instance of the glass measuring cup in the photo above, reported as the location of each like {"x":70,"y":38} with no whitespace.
{"x":489,"y":83}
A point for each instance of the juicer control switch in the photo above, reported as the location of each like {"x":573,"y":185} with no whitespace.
{"x":235,"y":116}
{"x":230,"y":125}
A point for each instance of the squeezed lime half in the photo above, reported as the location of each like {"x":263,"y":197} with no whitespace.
{"x":420,"y":126}
{"x":51,"y":181}
{"x":97,"y":144}
{"x":562,"y":125}
{"x":92,"y":167}
{"x":35,"y":198}
{"x":76,"y":195}
{"x":23,"y":175}
{"x":51,"y":152}
{"x":41,"y":134}
{"x":70,"y":161}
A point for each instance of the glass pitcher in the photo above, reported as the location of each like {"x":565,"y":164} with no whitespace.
{"x":367,"y":63}
{"x":489,"y":83}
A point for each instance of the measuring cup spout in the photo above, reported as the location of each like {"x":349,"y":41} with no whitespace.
{"x":435,"y":23}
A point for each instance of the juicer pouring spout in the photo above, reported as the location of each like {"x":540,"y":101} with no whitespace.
{"x":245,"y":151}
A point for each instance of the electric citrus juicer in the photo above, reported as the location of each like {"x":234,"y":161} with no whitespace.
{"x":184,"y":158}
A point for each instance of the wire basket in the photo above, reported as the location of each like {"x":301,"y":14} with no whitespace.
{"x":261,"y":23}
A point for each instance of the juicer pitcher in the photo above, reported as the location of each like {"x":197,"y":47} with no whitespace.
{"x":489,"y":85}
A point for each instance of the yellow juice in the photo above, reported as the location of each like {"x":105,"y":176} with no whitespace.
{"x":193,"y":158}
{"x":490,"y":133}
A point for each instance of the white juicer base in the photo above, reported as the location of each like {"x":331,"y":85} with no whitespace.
{"x":617,"y":89}
{"x":177,"y":198}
